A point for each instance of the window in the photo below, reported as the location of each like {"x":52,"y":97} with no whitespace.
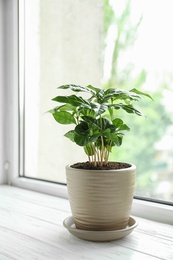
{"x":108,"y":43}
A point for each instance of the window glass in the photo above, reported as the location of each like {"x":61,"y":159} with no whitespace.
{"x":63,"y":43}
{"x":122,"y":44}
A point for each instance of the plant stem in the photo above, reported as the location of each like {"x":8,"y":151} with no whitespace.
{"x":102,"y":144}
{"x":95,"y":156}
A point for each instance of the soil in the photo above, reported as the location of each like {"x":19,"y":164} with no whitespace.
{"x":109,"y":166}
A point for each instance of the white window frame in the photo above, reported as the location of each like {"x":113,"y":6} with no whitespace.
{"x":141,"y":208}
{"x":2,"y":60}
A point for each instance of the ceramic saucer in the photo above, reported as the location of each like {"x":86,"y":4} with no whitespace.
{"x":99,"y":236}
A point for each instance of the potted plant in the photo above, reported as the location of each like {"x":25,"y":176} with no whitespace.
{"x":100,"y":191}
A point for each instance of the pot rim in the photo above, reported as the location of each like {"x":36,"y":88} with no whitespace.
{"x":131,"y":168}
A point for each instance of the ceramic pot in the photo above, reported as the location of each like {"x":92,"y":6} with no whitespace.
{"x":101,"y":199}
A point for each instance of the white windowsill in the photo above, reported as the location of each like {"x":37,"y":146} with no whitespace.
{"x":31,"y":227}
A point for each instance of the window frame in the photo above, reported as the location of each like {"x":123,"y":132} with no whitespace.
{"x":141,"y":208}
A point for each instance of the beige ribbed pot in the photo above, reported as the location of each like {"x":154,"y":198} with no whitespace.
{"x":101,"y":199}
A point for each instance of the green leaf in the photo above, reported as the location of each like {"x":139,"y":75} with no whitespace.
{"x":98,"y":108}
{"x":91,"y":120}
{"x":93,"y":109}
{"x":75,"y":88}
{"x":140,"y":93}
{"x":70,"y":135}
{"x":85,"y":111}
{"x":73,"y":100}
{"x":94,"y":137}
{"x":116,"y":139}
{"x":105,"y":124}
{"x":120,"y":139}
{"x":66,"y":107}
{"x":115,"y":94}
{"x":52,"y":111}
{"x":128,"y":109}
{"x":64,"y":117}
{"x":94,"y":89}
{"x":131,"y":109}
{"x":81,"y":140}
{"x":119,"y":124}
{"x":124,"y":127}
{"x":82,"y":128}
